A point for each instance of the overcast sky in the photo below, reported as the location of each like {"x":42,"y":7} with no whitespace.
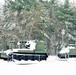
{"x":1,"y":1}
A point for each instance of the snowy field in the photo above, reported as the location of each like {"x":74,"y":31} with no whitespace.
{"x":53,"y":66}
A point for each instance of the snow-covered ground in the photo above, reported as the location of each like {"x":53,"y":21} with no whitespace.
{"x":53,"y":66}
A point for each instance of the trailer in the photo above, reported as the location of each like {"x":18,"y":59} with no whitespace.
{"x":32,"y":51}
{"x":66,"y":52}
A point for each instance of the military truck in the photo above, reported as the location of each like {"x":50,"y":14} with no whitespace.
{"x":66,"y":52}
{"x":34,"y":50}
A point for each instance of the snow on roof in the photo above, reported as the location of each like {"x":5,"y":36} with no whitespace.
{"x":32,"y":47}
{"x":65,"y":50}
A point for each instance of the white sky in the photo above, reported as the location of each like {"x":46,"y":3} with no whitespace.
{"x":1,"y":1}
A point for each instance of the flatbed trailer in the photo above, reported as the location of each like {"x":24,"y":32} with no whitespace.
{"x":69,"y":52}
{"x":38,"y":53}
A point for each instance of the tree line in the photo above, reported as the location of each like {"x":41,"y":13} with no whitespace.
{"x":50,"y":21}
